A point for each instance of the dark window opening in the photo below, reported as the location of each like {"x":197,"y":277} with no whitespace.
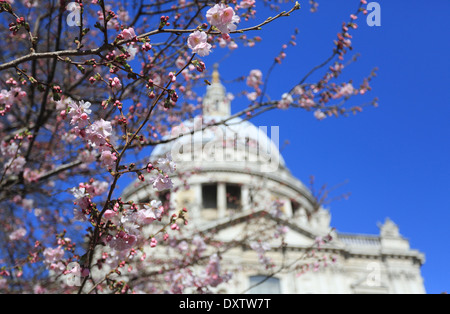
{"x":209,"y":195}
{"x":295,"y":207}
{"x":145,"y":200}
{"x":164,"y":197}
{"x":233,"y":196}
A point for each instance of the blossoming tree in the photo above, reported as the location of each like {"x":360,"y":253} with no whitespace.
{"x":86,"y":87}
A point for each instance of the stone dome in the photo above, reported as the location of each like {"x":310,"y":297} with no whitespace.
{"x":221,"y":149}
{"x":216,"y":136}
{"x":206,"y":138}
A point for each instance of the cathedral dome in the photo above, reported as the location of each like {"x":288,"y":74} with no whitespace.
{"x":216,"y":136}
{"x":226,"y":155}
{"x":206,"y":137}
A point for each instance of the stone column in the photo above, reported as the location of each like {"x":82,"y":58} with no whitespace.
{"x":221,"y":200}
{"x":245,"y":198}
{"x":198,"y":197}
{"x":287,"y":207}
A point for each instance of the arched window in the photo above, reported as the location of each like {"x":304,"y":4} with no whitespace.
{"x":264,"y":285}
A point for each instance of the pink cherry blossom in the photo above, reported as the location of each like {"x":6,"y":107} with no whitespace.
{"x":150,"y":212}
{"x":255,"y":78}
{"x":128,"y":33}
{"x":162,"y":182}
{"x":146,"y":216}
{"x":252,"y":96}
{"x":213,"y":275}
{"x":115,"y":83}
{"x":96,"y":187}
{"x":261,"y":248}
{"x":227,"y":15}
{"x":245,"y":4}
{"x":286,"y":101}
{"x":79,"y":193}
{"x":132,"y":51}
{"x":99,"y":132}
{"x":53,"y":255}
{"x":319,"y":115}
{"x":31,"y":175}
{"x":15,"y":165}
{"x":166,"y":164}
{"x":197,"y":41}
{"x":108,"y":159}
{"x":345,"y":91}
{"x":122,"y":241}
{"x":9,"y":149}
{"x":222,"y":17}
{"x":17,"y":234}
{"x":109,"y":214}
{"x":232,"y":45}
{"x":79,"y":112}
{"x":78,"y":215}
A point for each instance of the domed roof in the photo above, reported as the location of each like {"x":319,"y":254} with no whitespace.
{"x":218,"y":146}
{"x":216,"y":135}
{"x":207,"y":135}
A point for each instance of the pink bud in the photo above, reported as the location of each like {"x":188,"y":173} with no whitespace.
{"x":109,"y":214}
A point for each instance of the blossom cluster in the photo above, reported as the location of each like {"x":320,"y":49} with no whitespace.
{"x":14,"y":162}
{"x":53,"y":258}
{"x":84,"y":194}
{"x":186,"y":279}
{"x":9,"y":97}
{"x":98,"y":134}
{"x":254,"y":80}
{"x":261,"y":248}
{"x":12,"y":150}
{"x":166,"y":166}
{"x":198,"y":42}
{"x":224,"y":18}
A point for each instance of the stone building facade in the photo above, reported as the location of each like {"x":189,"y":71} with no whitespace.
{"x":235,"y":171}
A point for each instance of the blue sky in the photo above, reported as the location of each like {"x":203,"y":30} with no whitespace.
{"x":394,"y":157}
